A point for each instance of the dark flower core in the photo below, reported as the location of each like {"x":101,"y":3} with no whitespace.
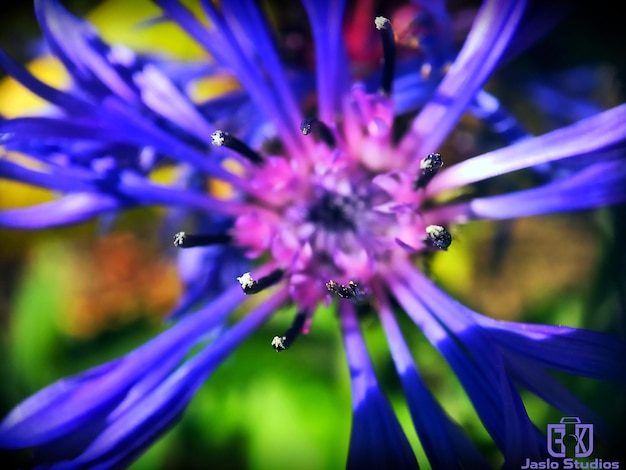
{"x":334,"y":212}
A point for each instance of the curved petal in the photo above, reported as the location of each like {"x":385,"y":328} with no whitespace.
{"x":52,"y":95}
{"x":68,"y":404}
{"x":573,"y":350}
{"x":117,"y":124}
{"x":598,"y":185}
{"x":224,"y":47}
{"x":376,"y":439}
{"x":486,"y":107}
{"x":206,"y":271}
{"x":589,"y":135}
{"x":491,"y":31}
{"x":250,"y":27}
{"x":443,"y":440}
{"x":325,"y":17}
{"x":476,"y":363}
{"x":76,"y":43}
{"x":135,"y":427}
{"x":544,"y":385}
{"x":71,"y":209}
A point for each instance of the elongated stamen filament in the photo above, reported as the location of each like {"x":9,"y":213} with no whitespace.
{"x":224,"y":139}
{"x":252,"y":286}
{"x":319,"y":130}
{"x":389,"y":53}
{"x":280,"y":343}
{"x":185,"y":240}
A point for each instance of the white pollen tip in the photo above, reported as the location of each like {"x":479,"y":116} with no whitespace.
{"x":435,"y":230}
{"x":381,"y":22}
{"x":246,"y":280}
{"x":218,"y":138}
{"x":278,"y":343}
{"x":179,"y":238}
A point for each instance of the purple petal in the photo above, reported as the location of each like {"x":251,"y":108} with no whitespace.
{"x":136,"y":187}
{"x":50,"y":94}
{"x":583,"y":137}
{"x":116,"y":124}
{"x":598,"y":185}
{"x":49,"y":180}
{"x":205,"y":272}
{"x":576,"y":351}
{"x":68,"y":404}
{"x":325,"y":17}
{"x":410,"y":91}
{"x":539,"y":19}
{"x":377,"y":439}
{"x":73,"y":41}
{"x":491,"y":31}
{"x":70,"y":209}
{"x":443,"y":440}
{"x":549,"y":389}
{"x":127,"y":186}
{"x":487,"y":108}
{"x":224,"y":47}
{"x":135,"y":427}
{"x":476,"y":363}
{"x":160,"y":95}
{"x":250,"y":27}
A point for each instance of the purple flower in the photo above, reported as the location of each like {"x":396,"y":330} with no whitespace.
{"x":337,"y":213}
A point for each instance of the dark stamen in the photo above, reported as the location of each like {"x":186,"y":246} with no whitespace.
{"x":389,"y":53}
{"x":252,"y":286}
{"x":352,"y":292}
{"x":320,"y":131}
{"x":438,"y":237}
{"x":429,"y":166}
{"x":224,"y":139}
{"x":280,"y":343}
{"x":184,"y":240}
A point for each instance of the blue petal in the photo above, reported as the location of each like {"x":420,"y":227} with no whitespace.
{"x":206,"y":272}
{"x":224,"y":47}
{"x":68,"y":404}
{"x":543,"y":384}
{"x":127,"y":186}
{"x":50,"y":94}
{"x":443,"y":440}
{"x":598,"y":185}
{"x":491,"y":31}
{"x":376,"y":439}
{"x":71,"y":209}
{"x":49,"y":180}
{"x":76,"y":43}
{"x":160,"y":95}
{"x":567,"y":96}
{"x":133,"y":428}
{"x":476,"y":362}
{"x":576,"y":351}
{"x":325,"y":17}
{"x":250,"y":27}
{"x":116,"y":123}
{"x":539,"y":19}
{"x":410,"y":90}
{"x":487,"y":108}
{"x":590,"y":135}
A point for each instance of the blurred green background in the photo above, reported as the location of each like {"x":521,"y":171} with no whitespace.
{"x":70,"y":299}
